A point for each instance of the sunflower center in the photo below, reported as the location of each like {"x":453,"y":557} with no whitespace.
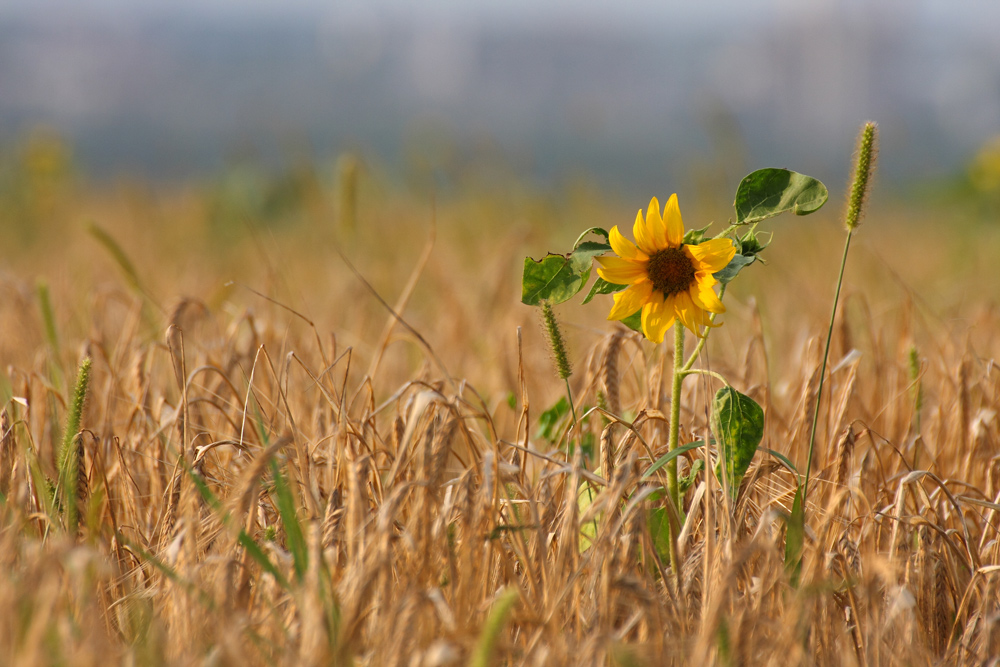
{"x":670,"y":271}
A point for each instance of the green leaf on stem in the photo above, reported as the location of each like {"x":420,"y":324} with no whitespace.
{"x":736,"y":264}
{"x":768,"y":192}
{"x":634,"y":321}
{"x":548,"y":421}
{"x":599,"y":231}
{"x":602,"y":286}
{"x":738,"y":424}
{"x":558,"y":278}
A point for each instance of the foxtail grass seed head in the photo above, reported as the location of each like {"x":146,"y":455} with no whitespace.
{"x":556,"y":341}
{"x":864,"y":167}
{"x":76,"y":408}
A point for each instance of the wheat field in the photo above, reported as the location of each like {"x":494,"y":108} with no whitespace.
{"x":274,"y":469}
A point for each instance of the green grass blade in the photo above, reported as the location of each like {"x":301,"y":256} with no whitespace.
{"x":293,"y":529}
{"x":670,"y":456}
{"x":51,"y":333}
{"x":482,"y":654}
{"x":247,"y":542}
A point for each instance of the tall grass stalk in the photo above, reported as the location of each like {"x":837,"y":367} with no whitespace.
{"x":69,"y":460}
{"x":51,"y":333}
{"x":867,"y":152}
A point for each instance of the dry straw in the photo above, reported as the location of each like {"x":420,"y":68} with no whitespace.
{"x":393,"y":535}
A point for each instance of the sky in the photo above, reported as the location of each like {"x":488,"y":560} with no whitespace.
{"x":162,"y":86}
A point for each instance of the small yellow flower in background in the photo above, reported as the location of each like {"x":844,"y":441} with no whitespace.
{"x":667,"y":278}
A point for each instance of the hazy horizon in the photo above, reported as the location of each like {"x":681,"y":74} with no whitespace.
{"x":632,"y":92}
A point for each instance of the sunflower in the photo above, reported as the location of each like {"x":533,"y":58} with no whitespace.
{"x":667,"y":278}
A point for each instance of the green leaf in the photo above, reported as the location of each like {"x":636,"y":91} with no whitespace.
{"x":549,"y":420}
{"x":600,"y":231}
{"x":602,"y":286}
{"x":768,"y":192}
{"x":685,"y":483}
{"x":634,"y":321}
{"x":795,"y":538}
{"x":738,"y":423}
{"x":736,"y":264}
{"x":549,"y":278}
{"x":658,"y":522}
{"x":558,"y":278}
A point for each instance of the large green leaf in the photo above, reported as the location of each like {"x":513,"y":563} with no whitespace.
{"x":558,"y":278}
{"x":768,"y":192}
{"x":738,"y":423}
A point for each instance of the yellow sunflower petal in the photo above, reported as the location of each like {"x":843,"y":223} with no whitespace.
{"x":687,"y":312}
{"x":706,"y":278}
{"x":657,"y":316}
{"x":643,"y":235}
{"x":654,"y":224}
{"x":706,"y":320}
{"x":621,"y":271}
{"x":673,"y":223}
{"x":704,"y":297}
{"x":711,"y":255}
{"x":623,"y":247}
{"x":630,"y":300}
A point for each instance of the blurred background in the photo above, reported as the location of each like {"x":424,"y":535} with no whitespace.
{"x":221,"y":150}
{"x":636,"y":94}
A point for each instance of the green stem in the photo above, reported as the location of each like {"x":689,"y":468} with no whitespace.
{"x":728,"y":230}
{"x":569,"y":396}
{"x":675,"y":425}
{"x":675,"y":412}
{"x":822,"y":372}
{"x":702,"y":371}
{"x":702,"y":340}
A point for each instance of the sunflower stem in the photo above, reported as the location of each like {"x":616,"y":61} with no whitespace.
{"x":702,"y":339}
{"x":725,"y":232}
{"x":675,"y":416}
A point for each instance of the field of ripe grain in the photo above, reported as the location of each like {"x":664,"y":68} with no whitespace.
{"x":270,"y":467}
